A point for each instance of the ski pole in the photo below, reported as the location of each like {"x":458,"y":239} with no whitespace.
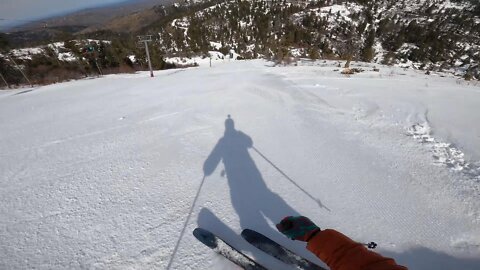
{"x":291,"y":180}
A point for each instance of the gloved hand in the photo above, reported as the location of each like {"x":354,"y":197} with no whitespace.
{"x":298,"y":228}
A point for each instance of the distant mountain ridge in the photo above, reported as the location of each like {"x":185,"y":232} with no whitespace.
{"x":428,"y":35}
{"x":90,"y":16}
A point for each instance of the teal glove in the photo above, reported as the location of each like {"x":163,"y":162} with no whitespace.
{"x":298,"y":228}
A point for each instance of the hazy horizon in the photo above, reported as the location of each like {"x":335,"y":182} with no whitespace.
{"x":18,"y":12}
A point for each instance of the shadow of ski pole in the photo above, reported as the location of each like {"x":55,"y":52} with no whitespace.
{"x":172,"y":257}
{"x":291,"y":180}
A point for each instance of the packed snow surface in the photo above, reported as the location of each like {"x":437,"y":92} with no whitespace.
{"x":102,"y":173}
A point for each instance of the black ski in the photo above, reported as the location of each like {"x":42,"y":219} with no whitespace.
{"x":278,"y":251}
{"x":223,"y":248}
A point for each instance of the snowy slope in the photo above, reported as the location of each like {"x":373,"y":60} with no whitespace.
{"x":101,"y":174}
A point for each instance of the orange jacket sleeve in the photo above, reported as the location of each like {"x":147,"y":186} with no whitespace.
{"x":341,"y":253}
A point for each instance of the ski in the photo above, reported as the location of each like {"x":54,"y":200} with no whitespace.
{"x":223,"y":248}
{"x":278,"y":251}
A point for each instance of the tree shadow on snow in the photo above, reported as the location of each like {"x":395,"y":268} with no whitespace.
{"x":253,"y":201}
{"x":424,"y":258}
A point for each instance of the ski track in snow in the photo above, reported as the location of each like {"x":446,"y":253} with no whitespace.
{"x":101,"y":174}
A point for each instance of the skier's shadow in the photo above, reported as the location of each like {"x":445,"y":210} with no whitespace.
{"x":253,"y":201}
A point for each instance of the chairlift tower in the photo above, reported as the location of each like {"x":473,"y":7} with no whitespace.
{"x":145,"y":40}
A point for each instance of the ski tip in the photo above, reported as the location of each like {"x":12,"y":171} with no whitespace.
{"x":247,"y":232}
{"x":253,"y":236}
{"x":205,"y":237}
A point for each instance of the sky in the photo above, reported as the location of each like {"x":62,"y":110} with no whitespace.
{"x":14,"y":12}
